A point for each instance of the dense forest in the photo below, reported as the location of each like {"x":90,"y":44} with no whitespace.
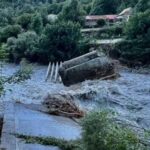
{"x":26,"y":31}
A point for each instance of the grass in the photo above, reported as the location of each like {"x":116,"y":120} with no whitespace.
{"x":61,"y":143}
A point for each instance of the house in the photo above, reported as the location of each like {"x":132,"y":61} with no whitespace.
{"x":92,"y":20}
{"x":125,"y":14}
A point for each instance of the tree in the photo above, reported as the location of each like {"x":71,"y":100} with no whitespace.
{"x":72,"y":12}
{"x":102,"y":7}
{"x":37,"y":23}
{"x":60,"y":41}
{"x":24,"y":20}
{"x":24,"y":46}
{"x":136,"y":47}
{"x":142,"y":5}
{"x":9,"y":31}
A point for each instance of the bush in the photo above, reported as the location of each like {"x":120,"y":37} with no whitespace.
{"x":24,"y":20}
{"x":100,"y":132}
{"x":138,"y":26}
{"x":37,"y":23}
{"x":136,"y":47}
{"x":9,"y":31}
{"x":102,"y":7}
{"x":113,"y":31}
{"x":101,"y":23}
{"x":134,"y":51}
{"x":72,"y":12}
{"x":24,"y":46}
{"x":60,"y":41}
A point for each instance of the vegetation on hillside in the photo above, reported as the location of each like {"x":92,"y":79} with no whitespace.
{"x":26,"y":31}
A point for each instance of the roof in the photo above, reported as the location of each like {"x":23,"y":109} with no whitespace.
{"x":98,"y":17}
{"x":126,"y":11}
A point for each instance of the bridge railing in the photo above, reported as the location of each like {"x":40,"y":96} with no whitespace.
{"x":52,"y":74}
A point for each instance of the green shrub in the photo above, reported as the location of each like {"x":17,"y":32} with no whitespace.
{"x":100,"y":132}
{"x":136,"y":47}
{"x":113,"y":31}
{"x":101,"y":23}
{"x":24,"y":46}
{"x":37,"y":23}
{"x":72,"y":11}
{"x":60,"y":42}
{"x":9,"y":31}
{"x":102,"y":7}
{"x":24,"y":73}
{"x":24,"y":20}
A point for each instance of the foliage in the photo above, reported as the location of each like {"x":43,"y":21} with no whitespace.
{"x":72,"y":12}
{"x":136,"y":47}
{"x":102,"y":7}
{"x":101,"y":132}
{"x":142,"y":5}
{"x":110,"y":32}
{"x":24,"y":46}
{"x":37,"y":23}
{"x":60,"y":41}
{"x":123,"y":4}
{"x":62,"y":144}
{"x":138,"y":26}
{"x":55,"y":8}
{"x":101,"y":23}
{"x":24,"y":20}
{"x":9,"y":31}
{"x":24,"y":73}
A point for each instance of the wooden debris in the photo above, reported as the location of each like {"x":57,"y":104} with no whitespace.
{"x":62,"y":105}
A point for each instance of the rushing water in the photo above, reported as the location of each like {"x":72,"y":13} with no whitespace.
{"x":129,"y":95}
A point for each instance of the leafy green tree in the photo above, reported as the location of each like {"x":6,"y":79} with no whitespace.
{"x":102,"y":7}
{"x":72,"y":12}
{"x":60,"y":41}
{"x":142,"y":5}
{"x":9,"y":31}
{"x":136,"y":48}
{"x":24,"y":46}
{"x":138,"y":26}
{"x":37,"y":23}
{"x":55,"y":8}
{"x":123,"y":4}
{"x":25,"y":20}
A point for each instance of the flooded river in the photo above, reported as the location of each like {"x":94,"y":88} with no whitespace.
{"x":128,"y":95}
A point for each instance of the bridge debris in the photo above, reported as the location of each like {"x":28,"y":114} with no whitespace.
{"x":86,"y":67}
{"x":62,"y":105}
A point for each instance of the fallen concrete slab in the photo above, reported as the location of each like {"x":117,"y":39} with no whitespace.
{"x":94,"y":68}
{"x":21,"y":120}
{"x":23,"y":146}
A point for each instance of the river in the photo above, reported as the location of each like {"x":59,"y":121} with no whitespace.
{"x":128,"y":95}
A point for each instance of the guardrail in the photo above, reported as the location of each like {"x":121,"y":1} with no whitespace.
{"x":52,"y":74}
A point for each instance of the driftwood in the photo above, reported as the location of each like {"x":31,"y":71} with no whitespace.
{"x":96,"y":68}
{"x":62,"y":105}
